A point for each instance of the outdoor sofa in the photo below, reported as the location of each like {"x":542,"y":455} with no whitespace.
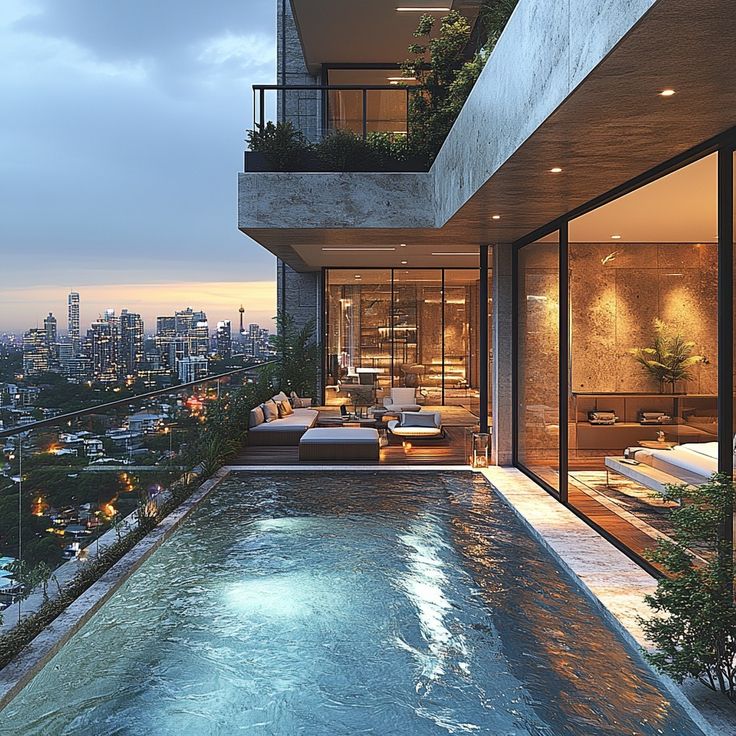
{"x":282,"y":429}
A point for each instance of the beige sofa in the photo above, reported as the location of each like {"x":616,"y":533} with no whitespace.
{"x":286,"y":430}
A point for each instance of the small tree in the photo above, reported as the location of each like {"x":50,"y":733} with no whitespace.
{"x":694,"y":631}
{"x":297,"y":356}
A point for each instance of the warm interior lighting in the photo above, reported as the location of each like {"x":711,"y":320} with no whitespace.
{"x":422,"y":9}
{"x":667,"y":93}
{"x":401,"y":79}
{"x":353,"y":250}
{"x":555,"y":170}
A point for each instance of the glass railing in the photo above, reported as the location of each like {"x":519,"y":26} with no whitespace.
{"x":74,"y":485}
{"x":375,"y":116}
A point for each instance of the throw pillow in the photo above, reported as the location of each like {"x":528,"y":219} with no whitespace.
{"x":280,"y":396}
{"x":418,"y":419}
{"x":270,"y":411}
{"x":256,"y":417}
{"x":284,"y":409}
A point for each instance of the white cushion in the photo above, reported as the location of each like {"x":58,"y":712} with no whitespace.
{"x":280,"y":396}
{"x":403,"y":395}
{"x":399,"y":431}
{"x":340,"y":436}
{"x":420,"y":419}
{"x":300,"y":419}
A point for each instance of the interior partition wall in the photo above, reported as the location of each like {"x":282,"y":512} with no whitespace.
{"x":403,"y":328}
{"x":599,"y":296}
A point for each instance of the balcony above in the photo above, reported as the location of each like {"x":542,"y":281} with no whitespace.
{"x":572,"y":86}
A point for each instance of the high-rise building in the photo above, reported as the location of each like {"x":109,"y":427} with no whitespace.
{"x":131,"y":343}
{"x":192,"y":368}
{"x":73,"y":320}
{"x":35,"y":351}
{"x":223,"y":339}
{"x":103,"y":340}
{"x":52,"y":340}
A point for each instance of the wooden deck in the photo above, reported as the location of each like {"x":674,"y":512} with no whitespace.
{"x":448,"y":451}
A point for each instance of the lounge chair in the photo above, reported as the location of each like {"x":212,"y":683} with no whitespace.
{"x":401,"y":399}
{"x":417,"y":425}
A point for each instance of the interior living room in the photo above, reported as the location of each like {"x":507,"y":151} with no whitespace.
{"x":642,"y":352}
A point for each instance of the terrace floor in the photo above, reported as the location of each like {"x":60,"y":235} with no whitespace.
{"x":451,"y":450}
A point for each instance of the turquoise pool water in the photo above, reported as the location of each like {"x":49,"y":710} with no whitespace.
{"x":348,"y":603}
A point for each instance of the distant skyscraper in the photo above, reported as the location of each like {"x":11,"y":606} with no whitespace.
{"x":223,"y":339}
{"x":131,"y":343}
{"x":103,"y":341}
{"x":73,"y":319}
{"x":52,"y":340}
{"x":35,"y":352}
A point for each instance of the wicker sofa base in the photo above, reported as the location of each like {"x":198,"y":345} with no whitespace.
{"x":338,"y":452}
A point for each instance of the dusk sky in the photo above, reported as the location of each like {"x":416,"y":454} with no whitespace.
{"x":121,"y":136}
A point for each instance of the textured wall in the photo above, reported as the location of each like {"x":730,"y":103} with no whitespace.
{"x":303,"y":108}
{"x":614,"y":305}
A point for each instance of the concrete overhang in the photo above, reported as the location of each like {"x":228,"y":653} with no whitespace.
{"x":573,"y":85}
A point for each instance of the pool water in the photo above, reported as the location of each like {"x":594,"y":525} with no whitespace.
{"x":348,"y":603}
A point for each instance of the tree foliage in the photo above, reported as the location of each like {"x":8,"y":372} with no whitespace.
{"x":694,"y":626}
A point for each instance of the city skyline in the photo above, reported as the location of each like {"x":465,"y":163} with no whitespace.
{"x":147,"y":139}
{"x":23,"y":309}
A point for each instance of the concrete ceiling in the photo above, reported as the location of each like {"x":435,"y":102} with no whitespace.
{"x":362,"y":31}
{"x":613,"y":127}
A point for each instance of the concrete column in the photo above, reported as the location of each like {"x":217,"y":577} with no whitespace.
{"x":502,"y":352}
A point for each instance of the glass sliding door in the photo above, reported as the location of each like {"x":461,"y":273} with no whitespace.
{"x":538,"y":360}
{"x":417,"y":332}
{"x":462,"y":359}
{"x":643,"y":275}
{"x":403,"y":328}
{"x":358,"y":349}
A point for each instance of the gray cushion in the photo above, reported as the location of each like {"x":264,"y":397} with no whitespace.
{"x":256,"y":417}
{"x":270,"y":411}
{"x":419,"y":419}
{"x":340,"y":436}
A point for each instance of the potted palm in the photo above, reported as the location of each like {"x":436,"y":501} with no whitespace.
{"x":669,"y":359}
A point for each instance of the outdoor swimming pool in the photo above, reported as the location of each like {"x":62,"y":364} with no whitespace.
{"x":367,"y":602}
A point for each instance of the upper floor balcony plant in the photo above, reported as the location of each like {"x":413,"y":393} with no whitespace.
{"x":397,"y":127}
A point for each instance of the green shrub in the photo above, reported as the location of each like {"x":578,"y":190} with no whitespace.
{"x":343,"y":150}
{"x":694,"y":627}
{"x":281,"y":143}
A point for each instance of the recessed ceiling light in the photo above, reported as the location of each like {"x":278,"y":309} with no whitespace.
{"x":403,"y":263}
{"x":422,"y":10}
{"x":667,"y":93}
{"x":357,"y":249}
{"x":615,"y":237}
{"x":455,"y":253}
{"x":495,"y":217}
{"x":403,"y":245}
{"x":358,"y":276}
{"x":555,"y":170}
{"x":401,"y":79}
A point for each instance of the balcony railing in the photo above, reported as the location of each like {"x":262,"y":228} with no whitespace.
{"x":376,"y":116}
{"x":73,"y":485}
{"x":317,"y":110}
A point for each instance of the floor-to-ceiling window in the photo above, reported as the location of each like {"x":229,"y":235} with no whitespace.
{"x":538,"y":353}
{"x":403,"y":328}
{"x":643,"y":300}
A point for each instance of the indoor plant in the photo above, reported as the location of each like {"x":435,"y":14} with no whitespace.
{"x":670,"y":357}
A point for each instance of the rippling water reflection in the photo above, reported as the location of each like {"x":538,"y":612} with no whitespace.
{"x":361,"y":603}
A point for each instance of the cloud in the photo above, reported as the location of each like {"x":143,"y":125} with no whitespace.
{"x":121,"y":137}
